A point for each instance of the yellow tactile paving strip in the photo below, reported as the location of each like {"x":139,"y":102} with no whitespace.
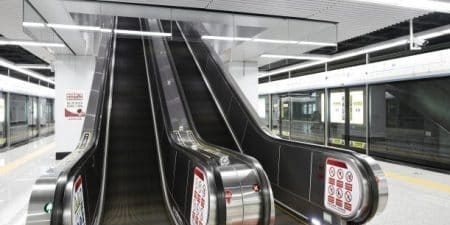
{"x":26,"y":158}
{"x":419,"y":181}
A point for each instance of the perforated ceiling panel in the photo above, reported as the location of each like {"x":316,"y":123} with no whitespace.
{"x":354,"y":18}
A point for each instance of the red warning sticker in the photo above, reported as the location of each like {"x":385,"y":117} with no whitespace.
{"x":342,"y":189}
{"x":200,"y":199}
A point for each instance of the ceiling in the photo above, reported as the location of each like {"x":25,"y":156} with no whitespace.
{"x":353,"y":18}
{"x":421,"y":23}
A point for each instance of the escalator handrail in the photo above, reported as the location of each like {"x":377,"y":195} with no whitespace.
{"x":71,"y":168}
{"x":367,"y":165}
{"x":198,"y":156}
{"x":269,"y":206}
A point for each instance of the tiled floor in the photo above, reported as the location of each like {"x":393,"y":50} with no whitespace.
{"x":19,"y":169}
{"x":416,"y":196}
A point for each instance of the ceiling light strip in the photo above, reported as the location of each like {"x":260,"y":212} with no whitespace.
{"x":95,"y":28}
{"x":30,"y":43}
{"x":34,"y":66}
{"x":428,"y":5}
{"x":425,"y":35}
{"x":12,"y":66}
{"x":142,"y":33}
{"x":272,"y":41}
{"x":300,"y":57}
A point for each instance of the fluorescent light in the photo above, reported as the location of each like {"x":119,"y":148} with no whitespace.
{"x":224,"y":38}
{"x":30,"y":43}
{"x":95,"y":28}
{"x":301,"y":57}
{"x":272,"y":41}
{"x":343,"y":55}
{"x":33,"y":24}
{"x":73,"y":27}
{"x":317,"y":43}
{"x":142,"y":33}
{"x":10,"y":65}
{"x":34,"y":66}
{"x":428,"y":5}
{"x":435,"y":34}
{"x":104,"y":30}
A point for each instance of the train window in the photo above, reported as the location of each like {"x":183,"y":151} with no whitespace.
{"x":18,"y":112}
{"x":307,"y":122}
{"x":2,"y":120}
{"x":410,"y":121}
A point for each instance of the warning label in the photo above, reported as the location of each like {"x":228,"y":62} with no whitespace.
{"x":200,"y":199}
{"x":342,"y":190}
{"x":79,"y":216}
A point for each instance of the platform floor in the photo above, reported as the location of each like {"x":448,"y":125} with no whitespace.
{"x":19,"y":169}
{"x":416,"y":196}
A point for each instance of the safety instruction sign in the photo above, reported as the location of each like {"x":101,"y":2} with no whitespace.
{"x":78,"y":214}
{"x":200,"y":199}
{"x":342,"y":188}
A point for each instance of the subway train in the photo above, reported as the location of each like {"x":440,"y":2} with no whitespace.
{"x":26,"y":111}
{"x":397,"y":119}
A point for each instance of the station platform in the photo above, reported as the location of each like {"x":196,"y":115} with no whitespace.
{"x":416,"y":196}
{"x":19,"y":169}
{"x":410,"y":189}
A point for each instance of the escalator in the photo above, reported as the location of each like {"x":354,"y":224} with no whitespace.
{"x":133,"y":184}
{"x":135,"y":163}
{"x":302,"y":191}
{"x":207,"y":119}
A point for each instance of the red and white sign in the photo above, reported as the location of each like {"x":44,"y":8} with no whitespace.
{"x":75,"y":105}
{"x":200,"y":199}
{"x":342,"y":188}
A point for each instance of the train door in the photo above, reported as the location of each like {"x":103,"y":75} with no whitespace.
{"x":2,"y":120}
{"x":285,"y":118}
{"x":33,"y":128}
{"x":337,"y":118}
{"x":347,"y":118}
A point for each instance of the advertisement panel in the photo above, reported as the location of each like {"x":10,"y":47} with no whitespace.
{"x":74,"y":105}
{"x":2,"y":109}
{"x":357,"y":107}
{"x":337,"y":107}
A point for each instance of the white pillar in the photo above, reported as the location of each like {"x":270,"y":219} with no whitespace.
{"x":245,"y":73}
{"x":72,"y":73}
